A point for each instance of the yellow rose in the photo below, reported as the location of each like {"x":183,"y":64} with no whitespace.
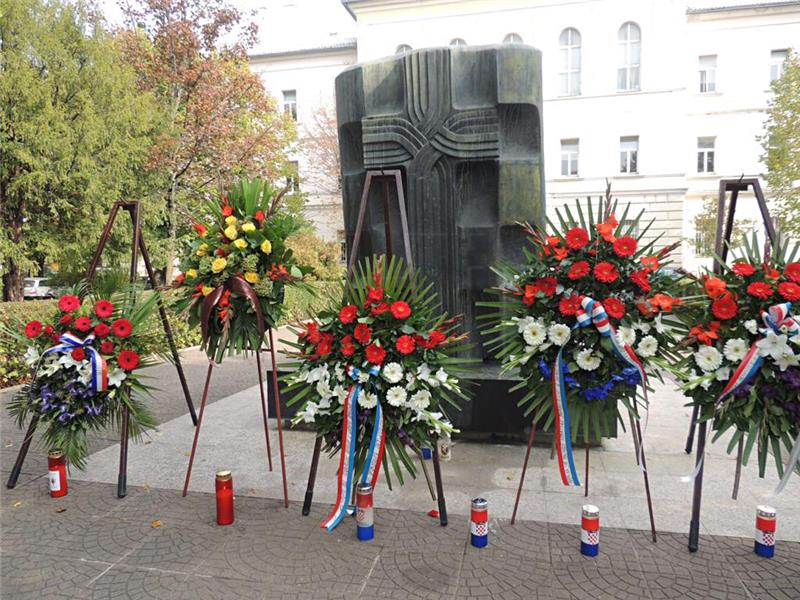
{"x":202,"y":250}
{"x":251,"y":277}
{"x":240,"y":244}
{"x":230,"y":220}
{"x":230,"y":232}
{"x":207,"y":289}
{"x":218,"y":265}
{"x":191,"y":273}
{"x":266,"y":247}
{"x":248,"y":227}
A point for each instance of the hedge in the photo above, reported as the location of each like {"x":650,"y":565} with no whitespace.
{"x":300,"y":303}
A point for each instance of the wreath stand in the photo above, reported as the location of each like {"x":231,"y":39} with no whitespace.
{"x":137,"y":245}
{"x":723,"y":240}
{"x":385,"y":177}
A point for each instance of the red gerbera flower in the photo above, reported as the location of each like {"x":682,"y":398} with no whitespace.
{"x":69,"y":303}
{"x":401,"y":310}
{"x":103,"y":309}
{"x":375,"y":354}
{"x":792,"y":271}
{"x":362,"y":333}
{"x":743,"y":269}
{"x":128,"y":360}
{"x":348,"y":347}
{"x":546,"y":285}
{"x":102,"y":330}
{"x":725,"y":307}
{"x":325,"y":345}
{"x":121,"y":328}
{"x":569,"y":305}
{"x":348,"y":314}
{"x":577,"y":238}
{"x":405,"y":344}
{"x":789,"y":290}
{"x":83,"y":324}
{"x":107,"y":347}
{"x":33,"y":329}
{"x":614,"y":307}
{"x":625,"y":246}
{"x":606,"y":272}
{"x":642,"y":279}
{"x":760,"y":289}
{"x":78,"y":354}
{"x":578,"y":270}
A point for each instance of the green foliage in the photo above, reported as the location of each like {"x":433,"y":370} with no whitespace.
{"x":321,"y":256}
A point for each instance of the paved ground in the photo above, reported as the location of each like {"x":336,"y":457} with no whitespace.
{"x":155,"y":544}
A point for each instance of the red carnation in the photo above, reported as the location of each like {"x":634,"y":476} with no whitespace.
{"x":375,"y":354}
{"x":65,"y":320}
{"x":606,"y":272}
{"x":348,"y":347}
{"x":401,"y":310}
{"x":78,"y":354}
{"x":259,"y":216}
{"x":615,"y":308}
{"x":725,"y":307}
{"x":743,"y":269}
{"x":380,"y":308}
{"x":103,"y":309}
{"x":405,"y":344}
{"x":577,"y":238}
{"x":760,"y":289}
{"x":362,"y":333}
{"x":578,"y":270}
{"x":792,"y":271}
{"x":121,"y":328}
{"x":569,"y":305}
{"x":33,"y":329}
{"x":546,"y":285}
{"x":83,"y":324}
{"x":128,"y":360}
{"x":625,"y":246}
{"x":102,"y":330}
{"x":107,"y":347}
{"x":68,"y":303}
{"x":374,"y":295}
{"x":789,"y":290}
{"x":642,"y":279}
{"x":348,"y":314}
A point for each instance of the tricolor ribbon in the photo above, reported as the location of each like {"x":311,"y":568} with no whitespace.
{"x":591,"y":312}
{"x":779,"y":319}
{"x":69,"y":342}
{"x":348,"y":452}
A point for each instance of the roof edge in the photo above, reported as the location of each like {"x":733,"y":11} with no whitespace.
{"x":332,"y":49}
{"x":737,"y":7}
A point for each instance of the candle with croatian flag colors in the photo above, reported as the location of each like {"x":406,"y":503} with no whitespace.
{"x":224,"y":485}
{"x":590,"y":530}
{"x":479,"y":523}
{"x":57,"y":470}
{"x":765,"y":531}
{"x":364,"y":516}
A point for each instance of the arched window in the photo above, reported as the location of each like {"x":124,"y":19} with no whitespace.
{"x":569,"y":43}
{"x":458,"y":42}
{"x":512,"y":38}
{"x":403,"y":49}
{"x":629,"y":42}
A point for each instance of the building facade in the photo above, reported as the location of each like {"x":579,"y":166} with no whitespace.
{"x":661,"y":98}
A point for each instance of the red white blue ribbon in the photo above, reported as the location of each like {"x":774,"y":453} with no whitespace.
{"x":70,"y":342}
{"x":348,"y":450}
{"x":591,"y":312}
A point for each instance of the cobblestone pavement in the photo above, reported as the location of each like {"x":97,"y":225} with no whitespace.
{"x":155,"y":544}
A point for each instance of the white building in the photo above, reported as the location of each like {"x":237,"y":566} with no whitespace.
{"x":662,"y":97}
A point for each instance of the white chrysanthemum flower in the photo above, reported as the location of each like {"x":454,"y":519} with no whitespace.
{"x":31,"y":356}
{"x":323,"y":389}
{"x":420,"y":401}
{"x":751,"y":326}
{"x":396,"y":396}
{"x":441,"y":375}
{"x":393,"y":372}
{"x":116,"y":377}
{"x":522,"y":324}
{"x":648,"y":346}
{"x":559,"y":334}
{"x":626,"y":335}
{"x":341,"y":393}
{"x":367,"y":399}
{"x":587,"y":361}
{"x":708,"y":359}
{"x":535,"y":333}
{"x":735,"y":349}
{"x":723,"y":373}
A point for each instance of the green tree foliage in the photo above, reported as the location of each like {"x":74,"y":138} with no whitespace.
{"x":74,"y":136}
{"x":781,"y":145}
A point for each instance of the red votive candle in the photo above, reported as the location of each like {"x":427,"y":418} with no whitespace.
{"x":224,"y":498}
{"x":57,"y":471}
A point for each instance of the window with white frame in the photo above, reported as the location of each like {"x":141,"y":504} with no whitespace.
{"x":293,"y":177}
{"x":629,"y":47}
{"x":777,"y":62}
{"x":708,"y":73}
{"x":290,"y":103}
{"x":569,"y":158}
{"x":705,"y":154}
{"x":629,"y":154}
{"x":403,"y":49}
{"x":458,"y":42}
{"x":569,"y":43}
{"x":512,"y":38}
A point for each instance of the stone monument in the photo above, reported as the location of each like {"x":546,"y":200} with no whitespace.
{"x":464,"y":125}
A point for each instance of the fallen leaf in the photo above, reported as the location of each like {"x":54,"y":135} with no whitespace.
{"x":17,"y":504}
{"x":9,"y":444}
{"x":155,"y":523}
{"x":60,"y":509}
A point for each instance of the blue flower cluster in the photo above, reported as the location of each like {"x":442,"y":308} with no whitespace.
{"x":50,"y":403}
{"x":630,"y":376}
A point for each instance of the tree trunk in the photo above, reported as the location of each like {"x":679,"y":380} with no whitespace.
{"x":173,"y":234}
{"x":12,"y":283}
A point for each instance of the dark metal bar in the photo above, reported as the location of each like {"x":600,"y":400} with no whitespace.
{"x":586,"y":477}
{"x":312,"y":476}
{"x":197,"y":429}
{"x":23,"y":452}
{"x":362,"y":210}
{"x":387,"y":225}
{"x":427,"y":476}
{"x":277,"y":391}
{"x":762,"y":205}
{"x":524,"y":470}
{"x":646,"y":480}
{"x":437,"y":473}
{"x":401,"y":201}
{"x":692,"y":427}
{"x":694,"y":524}
{"x":263,"y":406}
{"x":633,"y":435}
{"x":738,"y":476}
{"x":103,"y":241}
